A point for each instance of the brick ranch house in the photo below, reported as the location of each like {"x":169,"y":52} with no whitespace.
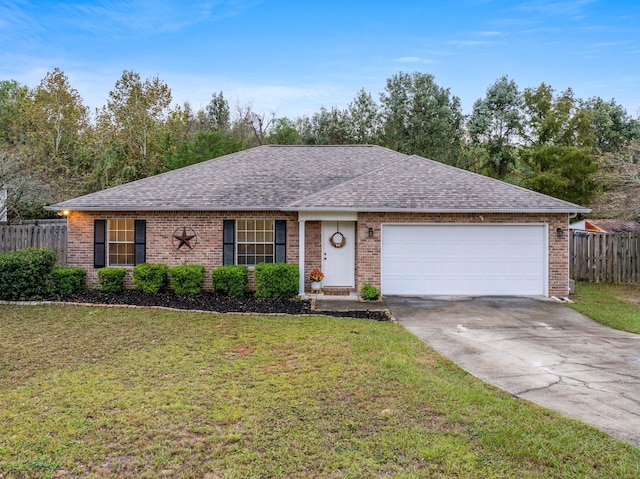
{"x":406,"y":224}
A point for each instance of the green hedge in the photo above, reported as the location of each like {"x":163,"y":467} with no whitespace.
{"x":230,"y":280}
{"x":186,"y":279}
{"x":112,"y":279}
{"x":67,"y":279}
{"x":25,"y":275}
{"x":276,"y":280}
{"x":150,"y":277}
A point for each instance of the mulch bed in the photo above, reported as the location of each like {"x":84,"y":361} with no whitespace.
{"x":207,"y":301}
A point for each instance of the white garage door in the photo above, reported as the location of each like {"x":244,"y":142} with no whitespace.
{"x":464,"y":260}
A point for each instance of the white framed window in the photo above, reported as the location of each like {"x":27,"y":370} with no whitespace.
{"x":254,"y":241}
{"x":121,"y":242}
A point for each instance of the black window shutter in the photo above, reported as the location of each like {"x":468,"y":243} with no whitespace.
{"x":228,"y":242}
{"x":140,"y":240}
{"x":281,"y":242}
{"x":99,"y":243}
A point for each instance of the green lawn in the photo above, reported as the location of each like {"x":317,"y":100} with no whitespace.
{"x":615,"y":305}
{"x":106,"y":392}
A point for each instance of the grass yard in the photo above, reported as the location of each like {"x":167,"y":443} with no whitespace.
{"x":106,"y":392}
{"x":615,"y":305}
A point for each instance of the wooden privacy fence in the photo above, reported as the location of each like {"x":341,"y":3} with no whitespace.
{"x":35,"y":235}
{"x":604,"y":257}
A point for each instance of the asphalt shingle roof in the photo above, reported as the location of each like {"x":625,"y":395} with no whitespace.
{"x":347,"y":178}
{"x":616,"y":225}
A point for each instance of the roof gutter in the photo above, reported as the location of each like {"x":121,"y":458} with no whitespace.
{"x":575,"y":210}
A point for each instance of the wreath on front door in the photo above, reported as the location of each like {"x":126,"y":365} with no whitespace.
{"x":337,"y":240}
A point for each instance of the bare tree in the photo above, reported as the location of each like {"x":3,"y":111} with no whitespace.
{"x":26,"y":193}
{"x":250,"y":127}
{"x":620,"y":176}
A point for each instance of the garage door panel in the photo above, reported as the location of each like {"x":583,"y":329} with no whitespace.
{"x":464,"y":259}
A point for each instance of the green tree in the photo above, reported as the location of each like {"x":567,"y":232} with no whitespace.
{"x":495,"y":127}
{"x":422,"y":118}
{"x":556,"y":120}
{"x":57,"y":120}
{"x":205,"y":145}
{"x":561,"y":156}
{"x":283,"y":132}
{"x":566,"y":172}
{"x":612,"y":126}
{"x":362,"y":118}
{"x":191,"y":121}
{"x":217,"y":113}
{"x":326,"y":127}
{"x":132,"y":128}
{"x":12,"y":121}
{"x":46,"y":128}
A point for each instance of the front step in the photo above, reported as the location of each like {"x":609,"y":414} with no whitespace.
{"x":329,"y":291}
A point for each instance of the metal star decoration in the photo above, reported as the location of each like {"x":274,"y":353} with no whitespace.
{"x":184,"y":239}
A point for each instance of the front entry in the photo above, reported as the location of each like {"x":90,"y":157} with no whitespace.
{"x":338,"y":253}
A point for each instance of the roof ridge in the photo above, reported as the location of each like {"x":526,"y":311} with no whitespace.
{"x":353,"y":178}
{"x":351,"y":145}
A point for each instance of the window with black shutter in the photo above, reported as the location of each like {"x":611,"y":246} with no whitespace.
{"x":119,"y":242}
{"x":99,"y":243}
{"x":254,"y":240}
{"x":281,"y":241}
{"x":229,"y":242}
{"x":140,"y":241}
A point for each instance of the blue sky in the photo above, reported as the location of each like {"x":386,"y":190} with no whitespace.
{"x":292,"y":57}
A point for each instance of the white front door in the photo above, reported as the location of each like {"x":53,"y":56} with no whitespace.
{"x":338,"y":262}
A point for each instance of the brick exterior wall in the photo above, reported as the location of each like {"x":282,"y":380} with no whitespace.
{"x":160,"y":229}
{"x":208,"y":252}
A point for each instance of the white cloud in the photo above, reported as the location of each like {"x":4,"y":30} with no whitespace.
{"x":470,"y":43}
{"x":117,"y":18}
{"x":281,"y":99}
{"x":413,"y":60}
{"x":491,"y":34}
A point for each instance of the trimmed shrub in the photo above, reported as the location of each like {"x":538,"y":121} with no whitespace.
{"x":150,"y":277}
{"x":230,"y":280}
{"x":276,"y":280}
{"x":369,"y":292}
{"x":186,"y":279}
{"x":25,"y":275}
{"x":67,"y":279}
{"x":112,"y":279}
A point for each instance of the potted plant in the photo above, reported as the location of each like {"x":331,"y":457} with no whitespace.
{"x":316,"y":278}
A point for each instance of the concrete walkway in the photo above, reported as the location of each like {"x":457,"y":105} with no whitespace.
{"x":539,"y":350}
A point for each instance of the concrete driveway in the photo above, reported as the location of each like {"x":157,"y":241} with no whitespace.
{"x":539,"y":350}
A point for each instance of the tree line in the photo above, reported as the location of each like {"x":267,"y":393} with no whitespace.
{"x":53,"y":148}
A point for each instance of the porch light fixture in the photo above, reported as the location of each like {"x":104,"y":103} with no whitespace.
{"x":559,"y":232}
{"x":370,"y":232}
{"x":63,"y":213}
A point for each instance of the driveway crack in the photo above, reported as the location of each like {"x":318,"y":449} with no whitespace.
{"x":541,"y":388}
